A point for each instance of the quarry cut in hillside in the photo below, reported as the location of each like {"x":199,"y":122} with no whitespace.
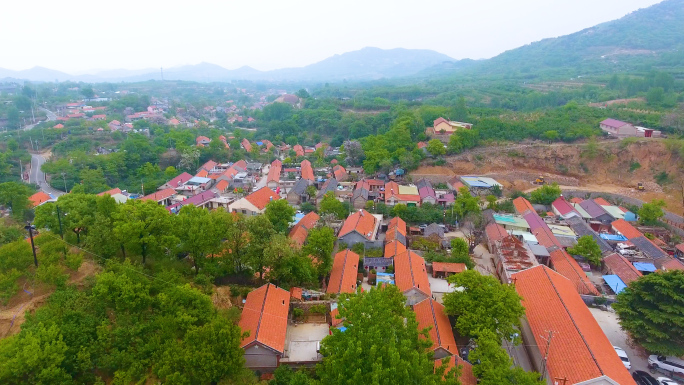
{"x":606,"y":166}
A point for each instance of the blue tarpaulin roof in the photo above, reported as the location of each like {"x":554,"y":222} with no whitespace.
{"x":615,"y":283}
{"x":644,"y":266}
{"x":613,"y":237}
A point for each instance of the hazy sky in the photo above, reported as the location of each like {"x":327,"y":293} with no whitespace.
{"x":76,"y":35}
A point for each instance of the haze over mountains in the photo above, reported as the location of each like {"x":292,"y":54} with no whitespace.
{"x":651,"y":37}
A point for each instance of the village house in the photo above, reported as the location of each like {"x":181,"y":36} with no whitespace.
{"x":344,"y":272}
{"x":264,"y":316}
{"x":201,"y":200}
{"x":426,"y":192}
{"x":396,"y":194}
{"x":300,"y":231}
{"x":162,"y":197}
{"x":360,"y":227}
{"x":618,"y":128}
{"x":40,"y":198}
{"x":176,"y":182}
{"x":557,"y":319}
{"x":297,"y":194}
{"x":410,"y":276}
{"x":273,"y":178}
{"x":431,"y":314}
{"x":307,"y":171}
{"x":254,"y":203}
{"x":328,"y":186}
{"x":445,"y":127}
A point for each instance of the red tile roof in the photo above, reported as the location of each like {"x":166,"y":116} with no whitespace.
{"x":670,"y":263}
{"x":621,"y":267}
{"x":307,"y":170}
{"x":309,"y":220}
{"x":566,"y":265}
{"x":495,"y":232}
{"x":110,"y":192}
{"x":179,"y":180}
{"x":430,"y":314}
{"x":160,"y":195}
{"x":602,"y":202}
{"x":261,"y":197}
{"x":58,"y":125}
{"x":246,"y":145}
{"x":409,"y":272}
{"x":274,"y":171}
{"x":576,"y":200}
{"x":399,"y":224}
{"x":624,"y":228}
{"x":39,"y":198}
{"x":362,"y":222}
{"x":521,"y":205}
{"x":343,"y":273}
{"x":392,"y":190}
{"x":296,"y":292}
{"x":563,"y":207}
{"x":449,"y":267}
{"x":339,"y":172}
{"x":265,"y":317}
{"x":202,"y":173}
{"x":393,"y":248}
{"x":579,"y":349}
{"x":680,"y":247}
{"x":210,"y":164}
{"x":222,"y":185}
{"x":298,"y":235}
{"x":298,"y":149}
{"x":467,"y":377}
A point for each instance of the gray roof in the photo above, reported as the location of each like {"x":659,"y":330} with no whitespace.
{"x":538,"y":250}
{"x":300,"y":187}
{"x":377,"y":262}
{"x":434,"y":228}
{"x":360,"y":192}
{"x":328,"y":185}
{"x":566,"y":241}
{"x":649,"y":249}
{"x":580,"y":227}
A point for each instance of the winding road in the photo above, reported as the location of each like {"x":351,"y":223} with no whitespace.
{"x":38,"y":177}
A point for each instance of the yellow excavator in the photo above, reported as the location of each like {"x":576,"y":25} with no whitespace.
{"x":640,"y":186}
{"x":539,"y":181}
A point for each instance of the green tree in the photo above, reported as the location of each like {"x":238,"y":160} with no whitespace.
{"x":382,"y":344}
{"x":655,"y":96}
{"x":650,"y":310}
{"x":311,"y":191}
{"x":330,"y":205}
{"x":465,"y":203}
{"x":260,"y":235}
{"x":588,"y":248}
{"x":320,"y":244}
{"x":493,"y":365}
{"x":483,"y":304}
{"x":436,"y":147}
{"x":651,"y":212}
{"x":551,"y":135}
{"x":198,"y":234}
{"x":280,"y":214}
{"x":77,"y":211}
{"x":546,"y":194}
{"x":145,"y":227}
{"x":15,"y":196}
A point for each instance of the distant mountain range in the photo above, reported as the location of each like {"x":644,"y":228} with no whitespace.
{"x":648,"y":38}
{"x":364,"y":64}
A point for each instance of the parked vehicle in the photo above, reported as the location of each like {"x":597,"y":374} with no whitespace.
{"x":668,"y":364}
{"x":666,"y":381}
{"x":643,"y":378}
{"x":623,"y":356}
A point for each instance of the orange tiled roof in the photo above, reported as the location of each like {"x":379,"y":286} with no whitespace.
{"x":430,"y":314}
{"x":296,"y":292}
{"x":246,"y":145}
{"x":399,"y":224}
{"x":621,"y":267}
{"x":495,"y":232}
{"x":160,"y":195}
{"x":392,"y":234}
{"x":602,"y":202}
{"x":274,"y":171}
{"x":343,"y":273}
{"x":576,"y":200}
{"x":333,"y":315}
{"x":449,"y":267}
{"x":298,"y":149}
{"x":210,"y":164}
{"x":222,"y":185}
{"x":339,"y":172}
{"x":672,"y":264}
{"x":265,"y":317}
{"x":307,"y":170}
{"x":39,"y":198}
{"x":202,"y":173}
{"x":261,"y":197}
{"x":110,"y":192}
{"x":298,"y":235}
{"x":579,"y":349}
{"x":566,"y":265}
{"x":467,"y":377}
{"x":309,"y":220}
{"x":521,"y":205}
{"x":626,"y":229}
{"x":392,"y":190}
{"x":362,"y":222}
{"x":409,"y":272}
{"x":393,"y":248}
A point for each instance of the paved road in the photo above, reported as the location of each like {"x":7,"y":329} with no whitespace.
{"x":50,"y":116}
{"x":38,"y":177}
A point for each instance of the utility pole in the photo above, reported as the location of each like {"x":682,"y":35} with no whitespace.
{"x":30,"y":229}
{"x":21,"y":170}
{"x":59,"y":219}
{"x":64,"y":179}
{"x":546,"y":354}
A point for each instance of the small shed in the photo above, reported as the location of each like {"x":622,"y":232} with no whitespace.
{"x":615,"y":283}
{"x":445,"y":269}
{"x":645,"y":267}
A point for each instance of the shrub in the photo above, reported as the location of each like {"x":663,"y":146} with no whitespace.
{"x":297,"y":313}
{"x":73,"y":261}
{"x":234,"y":291}
{"x":662,"y":178}
{"x":8,"y":284}
{"x":51,"y":275}
{"x":634,"y":166}
{"x":318,"y":309}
